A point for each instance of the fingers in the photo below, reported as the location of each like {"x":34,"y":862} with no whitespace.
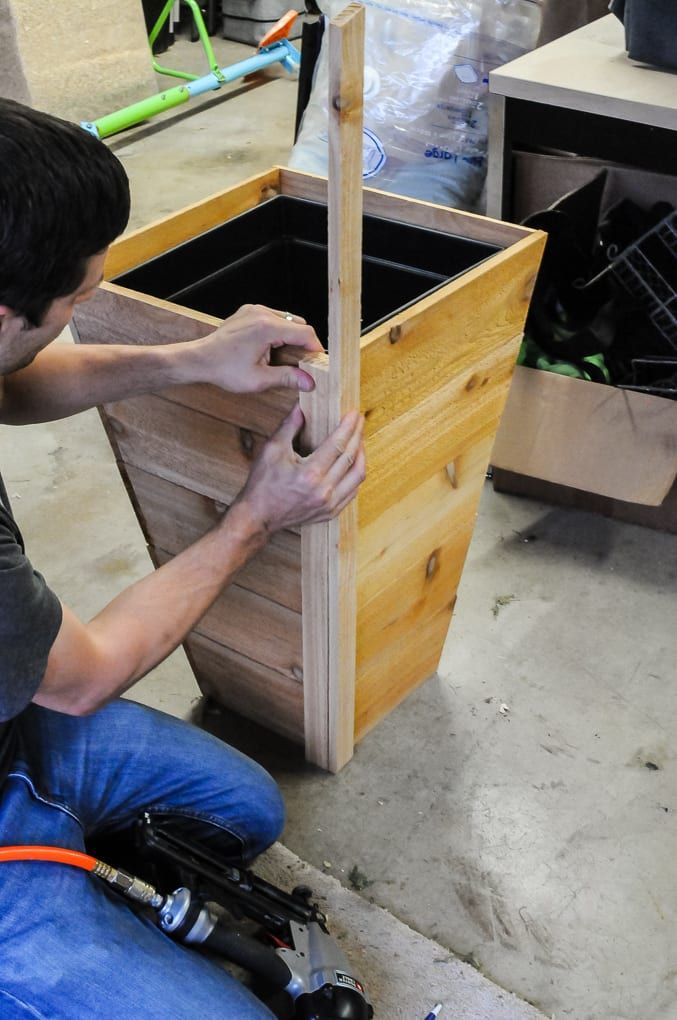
{"x":285,"y":375}
{"x":347,"y":472}
{"x":291,"y":426}
{"x":348,"y":456}
{"x":287,"y":315}
{"x":282,"y":327}
{"x":346,"y":489}
{"x":245,"y":311}
{"x":285,"y":490}
{"x":334,"y":445}
{"x":296,"y":334}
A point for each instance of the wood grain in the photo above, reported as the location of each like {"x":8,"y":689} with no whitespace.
{"x":412,"y":528}
{"x":421,"y":442}
{"x":376,"y":696}
{"x":417,"y":593}
{"x":450,"y":332}
{"x":408,"y":210}
{"x":315,"y":552}
{"x":253,"y":626}
{"x":173,"y":517}
{"x":247,"y":687}
{"x":260,"y":412}
{"x":115,"y":315}
{"x":346,"y":85}
{"x":183,"y":446}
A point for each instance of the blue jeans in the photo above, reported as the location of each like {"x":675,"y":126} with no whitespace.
{"x":69,"y":948}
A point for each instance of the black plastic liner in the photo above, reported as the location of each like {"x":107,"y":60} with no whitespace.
{"x":276,"y":255}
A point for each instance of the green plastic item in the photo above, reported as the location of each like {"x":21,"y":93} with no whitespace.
{"x":533,"y":356}
{"x":278,"y":49}
{"x":204,"y":39}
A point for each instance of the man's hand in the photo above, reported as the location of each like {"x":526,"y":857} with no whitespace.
{"x":285,"y":490}
{"x":236,"y":356}
{"x":64,"y":379}
{"x":90,"y":663}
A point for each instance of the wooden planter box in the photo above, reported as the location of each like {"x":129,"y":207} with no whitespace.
{"x":435,"y":366}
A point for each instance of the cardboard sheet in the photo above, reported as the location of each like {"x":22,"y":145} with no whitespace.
{"x":612,"y":442}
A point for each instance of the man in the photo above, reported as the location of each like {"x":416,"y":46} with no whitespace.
{"x":75,"y":761}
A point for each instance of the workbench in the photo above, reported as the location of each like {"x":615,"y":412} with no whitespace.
{"x":580,"y":94}
{"x":563,"y":440}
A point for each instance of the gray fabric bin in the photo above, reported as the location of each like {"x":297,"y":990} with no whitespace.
{"x":650,"y":30}
{"x":247,"y":21}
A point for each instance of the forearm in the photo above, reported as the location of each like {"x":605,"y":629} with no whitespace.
{"x":92,"y":663}
{"x":147,"y":621}
{"x":65,"y":379}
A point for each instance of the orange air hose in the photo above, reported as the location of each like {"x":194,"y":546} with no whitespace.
{"x":48,"y":853}
{"x":133,"y":888}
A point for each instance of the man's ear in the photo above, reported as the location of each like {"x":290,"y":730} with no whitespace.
{"x":11,"y":323}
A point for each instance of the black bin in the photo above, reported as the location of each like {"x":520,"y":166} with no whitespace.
{"x":276,"y":255}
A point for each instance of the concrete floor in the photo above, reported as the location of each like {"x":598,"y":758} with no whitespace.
{"x":506,"y":809}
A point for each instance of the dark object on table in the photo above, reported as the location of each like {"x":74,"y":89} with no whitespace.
{"x":650,"y":30}
{"x":647,"y":268}
{"x":563,"y":16}
{"x":152,"y":9}
{"x":567,"y":329}
{"x":657,"y":376}
{"x":212,"y":19}
{"x":311,"y":44}
{"x":605,"y":304}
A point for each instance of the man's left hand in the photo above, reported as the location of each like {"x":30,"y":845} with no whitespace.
{"x":236,"y":356}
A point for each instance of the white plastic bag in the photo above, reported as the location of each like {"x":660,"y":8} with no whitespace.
{"x":426,"y":79}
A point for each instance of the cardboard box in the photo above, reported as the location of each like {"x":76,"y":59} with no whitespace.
{"x":612,"y":442}
{"x":615,"y":444}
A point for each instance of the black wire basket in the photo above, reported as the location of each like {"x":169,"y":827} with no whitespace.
{"x":647,"y":270}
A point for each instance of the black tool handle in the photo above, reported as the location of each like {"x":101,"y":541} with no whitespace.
{"x":249,"y":953}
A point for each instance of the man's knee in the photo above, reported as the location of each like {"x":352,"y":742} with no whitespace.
{"x":235,"y":825}
{"x":268,"y":820}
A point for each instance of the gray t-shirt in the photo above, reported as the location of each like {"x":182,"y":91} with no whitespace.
{"x":30,"y":618}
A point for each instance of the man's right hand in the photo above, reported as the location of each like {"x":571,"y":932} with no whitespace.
{"x":90,"y":663}
{"x":285,"y":490}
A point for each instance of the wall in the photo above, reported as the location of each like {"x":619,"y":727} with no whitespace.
{"x":13,"y":84}
{"x":563,"y":16}
{"x":78,"y":60}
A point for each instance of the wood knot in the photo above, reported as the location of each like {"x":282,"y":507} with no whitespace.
{"x":452,"y":474}
{"x":395,"y":334}
{"x":268,"y":191}
{"x":433,"y":564}
{"x":247,"y":443}
{"x":471,"y":383}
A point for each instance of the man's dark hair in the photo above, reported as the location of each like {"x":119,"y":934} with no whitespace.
{"x":64,"y":197}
